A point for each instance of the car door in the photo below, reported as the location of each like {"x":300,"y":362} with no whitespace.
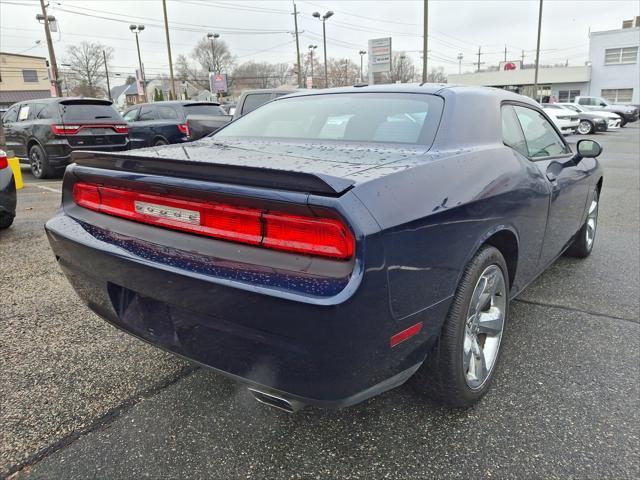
{"x":22,"y":129}
{"x":137,"y":138}
{"x":9,"y":121}
{"x":567,"y":181}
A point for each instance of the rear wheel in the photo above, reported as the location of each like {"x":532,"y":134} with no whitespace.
{"x":39,"y":163}
{"x":585,"y":127}
{"x":159,"y":142}
{"x":586,"y":236}
{"x":461,"y":366}
{"x":623,"y":122}
{"x":6,"y":219}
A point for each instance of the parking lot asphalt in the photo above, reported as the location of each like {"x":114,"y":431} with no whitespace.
{"x":80,"y":399}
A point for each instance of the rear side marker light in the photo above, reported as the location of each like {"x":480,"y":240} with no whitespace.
{"x":318,"y":236}
{"x":405,"y":334}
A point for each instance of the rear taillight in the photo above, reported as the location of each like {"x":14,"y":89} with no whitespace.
{"x":184,"y":128}
{"x":65,"y":129}
{"x":4,"y":162}
{"x":59,"y":129}
{"x":327,"y":237}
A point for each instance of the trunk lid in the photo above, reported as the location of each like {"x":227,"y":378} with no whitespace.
{"x":321,"y":167}
{"x":98,"y":123}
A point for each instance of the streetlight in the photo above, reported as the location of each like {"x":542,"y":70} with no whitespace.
{"x":311,"y":49}
{"x":212,"y":37}
{"x":137,"y":29}
{"x":362,"y":54}
{"x":324,"y":18}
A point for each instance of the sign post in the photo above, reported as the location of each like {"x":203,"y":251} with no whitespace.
{"x":218,"y":83}
{"x":379,"y":57}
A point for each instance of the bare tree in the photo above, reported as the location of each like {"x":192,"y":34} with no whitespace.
{"x":261,"y":75}
{"x":187,"y":71}
{"x":86,"y":63}
{"x":342,"y":72}
{"x":402,"y":69}
{"x":437,"y":75}
{"x":213,"y":56}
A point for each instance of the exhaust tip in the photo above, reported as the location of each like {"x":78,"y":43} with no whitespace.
{"x":287,"y":405}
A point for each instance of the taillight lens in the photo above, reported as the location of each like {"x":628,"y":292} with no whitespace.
{"x":327,"y":237}
{"x":65,"y":129}
{"x":184,"y":128}
{"x":4,"y":162}
{"x":121,"y":128}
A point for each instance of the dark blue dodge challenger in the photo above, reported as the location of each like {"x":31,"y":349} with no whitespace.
{"x":331,"y":245}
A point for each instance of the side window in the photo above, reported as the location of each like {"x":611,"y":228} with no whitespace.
{"x":23,"y":114}
{"x":10,"y":115}
{"x":541,"y":138}
{"x":167,"y":113}
{"x":583,"y":101}
{"x":147,"y":113}
{"x":130,"y":116}
{"x":254,"y":100}
{"x":512,"y":135}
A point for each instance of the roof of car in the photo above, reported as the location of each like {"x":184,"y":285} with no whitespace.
{"x":428,"y":88}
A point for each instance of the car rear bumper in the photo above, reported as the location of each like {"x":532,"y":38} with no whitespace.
{"x":8,"y":197}
{"x":330,"y":354}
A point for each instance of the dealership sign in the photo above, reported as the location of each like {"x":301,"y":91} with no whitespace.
{"x":380,"y":55}
{"x":218,"y":82}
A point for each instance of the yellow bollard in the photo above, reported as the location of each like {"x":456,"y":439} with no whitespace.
{"x":14,"y":163}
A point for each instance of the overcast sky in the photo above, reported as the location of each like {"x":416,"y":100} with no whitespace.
{"x":261,"y":29}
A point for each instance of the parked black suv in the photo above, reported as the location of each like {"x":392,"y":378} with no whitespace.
{"x":161,"y":123}
{"x":43,"y":133}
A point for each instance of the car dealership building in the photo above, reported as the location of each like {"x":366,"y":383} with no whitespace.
{"x":612,"y":71}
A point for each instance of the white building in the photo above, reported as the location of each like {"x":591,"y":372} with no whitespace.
{"x":612,"y":72}
{"x":615,"y":70}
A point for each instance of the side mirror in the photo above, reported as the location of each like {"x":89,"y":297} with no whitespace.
{"x":603,"y":104}
{"x":587,"y":149}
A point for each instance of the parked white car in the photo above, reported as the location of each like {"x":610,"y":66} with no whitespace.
{"x":613,"y":119}
{"x":566,"y":120}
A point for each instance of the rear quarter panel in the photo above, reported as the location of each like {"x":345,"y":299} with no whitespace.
{"x":436,"y":215}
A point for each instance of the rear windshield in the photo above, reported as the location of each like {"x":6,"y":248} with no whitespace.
{"x":82,"y":112}
{"x":354,"y":117}
{"x":203,"y":110}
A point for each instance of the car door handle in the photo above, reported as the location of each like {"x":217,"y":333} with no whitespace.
{"x":552,"y":176}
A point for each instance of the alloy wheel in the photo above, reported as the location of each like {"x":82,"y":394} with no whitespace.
{"x":584,"y":127}
{"x":592,"y":220}
{"x":36,"y":163}
{"x":484,"y":326}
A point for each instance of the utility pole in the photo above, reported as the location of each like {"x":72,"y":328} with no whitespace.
{"x":479,"y":54}
{"x":311,"y":49}
{"x":52,"y":53}
{"x":505,"y":53}
{"x":295,"y":21}
{"x":535,"y":80}
{"x":106,"y":72}
{"x":166,"y":31}
{"x":460,"y":57}
{"x":425,"y":40}
{"x":522,"y":59}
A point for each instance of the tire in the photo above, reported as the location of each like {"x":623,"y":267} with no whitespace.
{"x":448,"y":378}
{"x":39,"y":163}
{"x":6,"y":219}
{"x":623,"y":121}
{"x":159,"y":142}
{"x":585,"y":127}
{"x":585,"y":238}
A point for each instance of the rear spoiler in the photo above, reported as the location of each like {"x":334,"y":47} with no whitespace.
{"x":216,"y":172}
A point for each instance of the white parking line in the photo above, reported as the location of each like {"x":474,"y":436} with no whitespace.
{"x":44,"y":187}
